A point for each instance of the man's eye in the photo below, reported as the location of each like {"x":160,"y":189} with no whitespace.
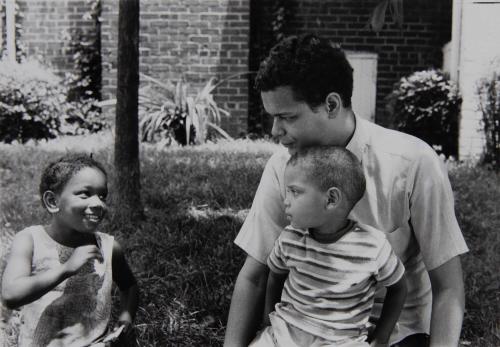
{"x":83,"y":194}
{"x":103,"y":197}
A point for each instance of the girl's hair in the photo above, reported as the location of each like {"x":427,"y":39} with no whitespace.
{"x":59,"y":172}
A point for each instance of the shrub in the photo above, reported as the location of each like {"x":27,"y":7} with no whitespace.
{"x":488,"y":92}
{"x":167,"y":111}
{"x":426,"y":104}
{"x":33,"y":105}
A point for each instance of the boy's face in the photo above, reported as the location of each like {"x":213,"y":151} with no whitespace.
{"x":295,"y":124}
{"x":82,"y":203}
{"x":305,"y":204}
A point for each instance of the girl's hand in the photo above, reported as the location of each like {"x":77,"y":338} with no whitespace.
{"x":81,"y":255}
{"x":379,"y":344}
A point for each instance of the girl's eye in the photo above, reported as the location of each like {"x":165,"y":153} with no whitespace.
{"x":103,"y":197}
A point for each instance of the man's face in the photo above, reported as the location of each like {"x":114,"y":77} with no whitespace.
{"x":295,"y":124}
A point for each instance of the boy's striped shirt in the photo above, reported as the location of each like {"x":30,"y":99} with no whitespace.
{"x":330,"y":287}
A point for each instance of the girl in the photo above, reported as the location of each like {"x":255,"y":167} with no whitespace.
{"x":61,"y":274}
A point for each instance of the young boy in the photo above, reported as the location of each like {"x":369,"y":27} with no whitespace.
{"x":331,"y":264}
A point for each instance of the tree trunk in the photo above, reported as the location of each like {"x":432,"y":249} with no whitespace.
{"x":128,"y":200}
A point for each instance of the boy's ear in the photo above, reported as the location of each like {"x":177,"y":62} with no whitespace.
{"x":334,"y":197}
{"x":50,"y":201}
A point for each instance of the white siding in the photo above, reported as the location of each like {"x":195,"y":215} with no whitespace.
{"x":479,"y":46}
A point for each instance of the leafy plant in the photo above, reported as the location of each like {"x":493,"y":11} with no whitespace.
{"x":34,"y":105}
{"x":488,"y":92}
{"x":167,"y":111}
{"x":426,"y":104}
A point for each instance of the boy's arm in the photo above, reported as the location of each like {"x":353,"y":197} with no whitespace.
{"x":246,"y":303}
{"x":391,"y":309}
{"x":127,"y":284}
{"x":448,"y":301}
{"x":19,"y":287}
{"x":275,"y":282}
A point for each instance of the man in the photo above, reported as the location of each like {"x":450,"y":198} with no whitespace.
{"x":306,"y":86}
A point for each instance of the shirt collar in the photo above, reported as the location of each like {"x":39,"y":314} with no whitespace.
{"x":358,"y":140}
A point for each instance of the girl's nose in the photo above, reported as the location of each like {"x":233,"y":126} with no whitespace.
{"x":96,"y":202}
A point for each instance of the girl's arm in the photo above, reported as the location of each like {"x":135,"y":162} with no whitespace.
{"x":19,"y":287}
{"x":393,"y":304}
{"x":275,"y":282}
{"x":127,"y":284}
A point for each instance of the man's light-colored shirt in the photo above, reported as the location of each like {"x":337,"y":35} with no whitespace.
{"x":330,"y":288}
{"x":408,"y":196}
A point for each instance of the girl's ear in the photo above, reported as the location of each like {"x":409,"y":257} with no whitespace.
{"x":334,"y":197}
{"x":50,"y":201}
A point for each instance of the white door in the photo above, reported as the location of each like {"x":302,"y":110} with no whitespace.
{"x":365,"y":83}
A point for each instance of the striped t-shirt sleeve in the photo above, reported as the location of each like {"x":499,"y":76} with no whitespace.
{"x":389,"y":268}
{"x":276,"y":260}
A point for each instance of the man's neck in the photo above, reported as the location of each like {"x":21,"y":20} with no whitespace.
{"x":342,"y":128}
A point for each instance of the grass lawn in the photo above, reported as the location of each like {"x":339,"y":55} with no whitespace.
{"x":195,"y":200}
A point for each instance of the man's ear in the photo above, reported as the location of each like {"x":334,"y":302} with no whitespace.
{"x":50,"y":201}
{"x":333,"y":103}
{"x":334,"y":196}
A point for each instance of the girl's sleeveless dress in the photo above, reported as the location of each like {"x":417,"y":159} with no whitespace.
{"x":77,"y":311}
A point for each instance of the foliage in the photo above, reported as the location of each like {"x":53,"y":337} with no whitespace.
{"x":84,"y":46}
{"x":33,"y":105}
{"x":167,"y":111}
{"x":195,"y":197}
{"x":488,"y":92}
{"x":427,"y":104}
{"x":377,"y":18}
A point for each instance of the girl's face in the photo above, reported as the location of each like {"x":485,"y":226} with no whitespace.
{"x":82,"y":202}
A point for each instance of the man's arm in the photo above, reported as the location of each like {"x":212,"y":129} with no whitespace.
{"x":246,"y":304}
{"x":448,"y":301}
{"x":275,"y":283}
{"x":393,"y":305}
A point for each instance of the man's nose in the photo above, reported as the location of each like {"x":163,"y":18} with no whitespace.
{"x":277,"y":129}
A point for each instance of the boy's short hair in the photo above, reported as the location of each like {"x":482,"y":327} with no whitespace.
{"x":332,"y":166}
{"x":57,"y":173}
{"x":313,"y":67}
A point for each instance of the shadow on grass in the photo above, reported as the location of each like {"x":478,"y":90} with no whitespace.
{"x":186,"y":268}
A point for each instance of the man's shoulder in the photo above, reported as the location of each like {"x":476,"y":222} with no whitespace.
{"x":279,"y":158}
{"x":396,"y":143}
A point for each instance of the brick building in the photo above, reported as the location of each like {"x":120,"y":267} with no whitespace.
{"x":201,"y":38}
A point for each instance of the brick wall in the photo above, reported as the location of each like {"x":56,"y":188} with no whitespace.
{"x":196,"y":39}
{"x":417,"y":45}
{"x":47,"y":26}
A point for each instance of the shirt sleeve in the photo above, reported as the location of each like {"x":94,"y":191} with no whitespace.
{"x":277,"y":260}
{"x":432,"y":211}
{"x":389,"y":269}
{"x":266,"y":218}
